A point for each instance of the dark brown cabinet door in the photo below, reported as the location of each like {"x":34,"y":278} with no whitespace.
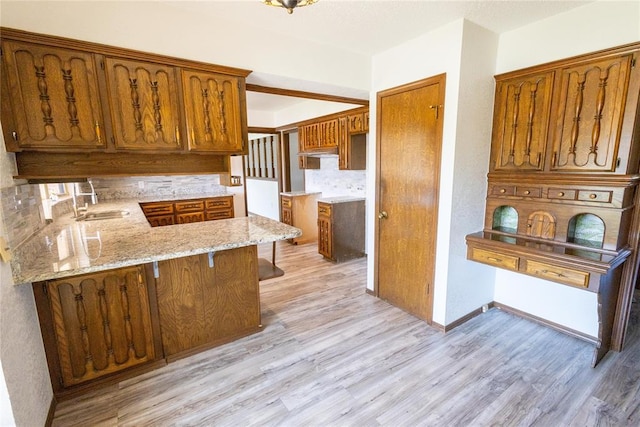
{"x":520,"y":122}
{"x":54,"y":97}
{"x":324,"y":231}
{"x":144,"y":105}
{"x":212,"y":107}
{"x":590,"y":108}
{"x":203,"y":301}
{"x":344,"y":142}
{"x":102,"y":323}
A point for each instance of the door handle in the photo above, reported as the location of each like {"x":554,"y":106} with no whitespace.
{"x":383,"y":215}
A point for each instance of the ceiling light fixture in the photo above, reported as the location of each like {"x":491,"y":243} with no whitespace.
{"x":289,"y":4}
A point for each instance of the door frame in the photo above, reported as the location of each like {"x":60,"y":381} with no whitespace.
{"x":440,"y":79}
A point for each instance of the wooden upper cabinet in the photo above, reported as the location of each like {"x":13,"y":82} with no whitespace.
{"x":590,"y":108}
{"x":571,"y":116}
{"x":356,"y":123}
{"x":144,"y":105}
{"x":212,"y":107}
{"x":520,"y":121}
{"x":54,"y":98}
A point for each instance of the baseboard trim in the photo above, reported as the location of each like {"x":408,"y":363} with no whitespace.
{"x":556,"y":326}
{"x":465,"y":318}
{"x":51,"y":413}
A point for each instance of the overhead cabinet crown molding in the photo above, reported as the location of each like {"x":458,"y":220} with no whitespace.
{"x":73,"y":98}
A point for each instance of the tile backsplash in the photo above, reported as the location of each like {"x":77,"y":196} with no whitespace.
{"x":141,"y":186}
{"x":334,"y":182}
{"x":22,"y":212}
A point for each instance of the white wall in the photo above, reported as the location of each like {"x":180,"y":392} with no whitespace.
{"x":171,"y":29}
{"x":470,"y":284}
{"x":263,"y":198}
{"x":25,"y":374}
{"x":589,"y":28}
{"x":441,"y":51}
{"x":6,"y":414}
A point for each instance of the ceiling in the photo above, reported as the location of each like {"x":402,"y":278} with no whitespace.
{"x":366,"y":27}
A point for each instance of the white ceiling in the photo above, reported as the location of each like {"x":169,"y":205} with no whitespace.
{"x":365,"y":27}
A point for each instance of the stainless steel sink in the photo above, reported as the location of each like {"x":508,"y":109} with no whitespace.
{"x":96,"y":216}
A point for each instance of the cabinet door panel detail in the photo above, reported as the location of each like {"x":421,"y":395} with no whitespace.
{"x":144,"y":105}
{"x":102,"y":323}
{"x":520,"y":121}
{"x":541,"y":224}
{"x":212,"y":105}
{"x":54,"y":94}
{"x":589,"y":118}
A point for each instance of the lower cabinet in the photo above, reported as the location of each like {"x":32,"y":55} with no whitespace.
{"x":108,"y":326}
{"x":188,"y":211}
{"x":95,"y":324}
{"x":299,"y":209}
{"x":208,"y":299}
{"x":341,"y":231}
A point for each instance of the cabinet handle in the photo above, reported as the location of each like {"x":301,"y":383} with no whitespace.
{"x":494,"y":259}
{"x":177,"y":135}
{"x":553,"y":273}
{"x":502,"y":190}
{"x":593,"y":196}
{"x":98,"y":133}
{"x":14,"y":134}
{"x":527,"y":192}
{"x":561,"y":194}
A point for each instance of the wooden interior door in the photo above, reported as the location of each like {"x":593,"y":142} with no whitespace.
{"x":410,"y":121}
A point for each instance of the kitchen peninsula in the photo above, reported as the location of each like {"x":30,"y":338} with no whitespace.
{"x":116,"y":297}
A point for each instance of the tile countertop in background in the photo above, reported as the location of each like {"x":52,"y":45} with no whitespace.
{"x":67,"y":247}
{"x":340,"y":199}
{"x":298,"y":193}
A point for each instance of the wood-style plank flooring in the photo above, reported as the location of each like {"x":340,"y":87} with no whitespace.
{"x":332,"y":355}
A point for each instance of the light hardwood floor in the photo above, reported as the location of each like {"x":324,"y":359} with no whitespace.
{"x":332,"y":355}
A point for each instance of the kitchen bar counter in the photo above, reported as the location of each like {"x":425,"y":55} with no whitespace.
{"x":68,"y":247}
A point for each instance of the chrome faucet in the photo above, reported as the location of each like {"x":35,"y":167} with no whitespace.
{"x":75,"y":192}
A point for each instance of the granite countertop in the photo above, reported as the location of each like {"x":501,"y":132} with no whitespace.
{"x":340,"y":199}
{"x":68,"y":247}
{"x":299,"y":193}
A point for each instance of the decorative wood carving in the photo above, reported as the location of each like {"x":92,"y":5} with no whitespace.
{"x":53,"y":96}
{"x":102,"y":323}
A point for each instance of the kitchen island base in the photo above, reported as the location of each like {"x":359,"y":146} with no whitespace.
{"x":105,"y":327}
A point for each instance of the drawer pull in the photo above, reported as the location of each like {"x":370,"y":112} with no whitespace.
{"x":553,"y":273}
{"x":502,"y":190}
{"x":527,"y":192}
{"x":494,"y":259}
{"x":561,"y":194}
{"x":593,"y":196}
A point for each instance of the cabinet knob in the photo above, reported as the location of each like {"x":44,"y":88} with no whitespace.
{"x":527,"y":192}
{"x":593,"y":196}
{"x":502,"y":190}
{"x":560,"y":194}
{"x":383,"y":215}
